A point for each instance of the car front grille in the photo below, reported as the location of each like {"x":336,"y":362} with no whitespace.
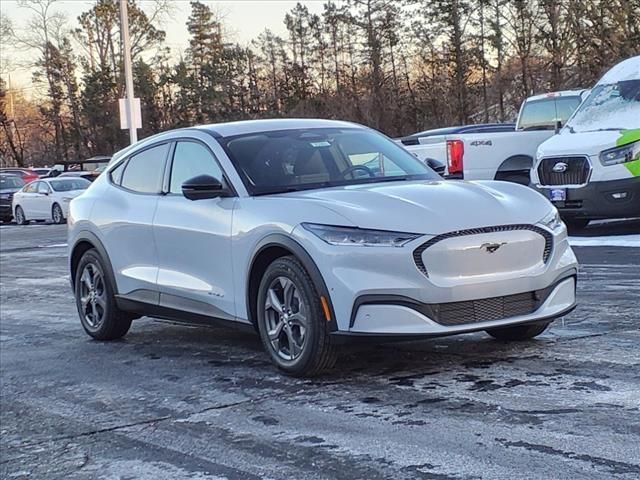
{"x":486,"y":309}
{"x":548,"y":240}
{"x":576,"y":171}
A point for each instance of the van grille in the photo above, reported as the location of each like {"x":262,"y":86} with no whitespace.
{"x":576,"y":173}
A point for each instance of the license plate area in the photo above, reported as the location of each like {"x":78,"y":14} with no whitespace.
{"x":558,"y":196}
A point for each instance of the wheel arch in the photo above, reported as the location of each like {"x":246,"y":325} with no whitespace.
{"x":86,"y":241}
{"x":269,"y":249}
{"x":515,"y":164}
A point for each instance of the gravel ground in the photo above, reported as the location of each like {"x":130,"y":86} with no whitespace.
{"x":173,"y":401}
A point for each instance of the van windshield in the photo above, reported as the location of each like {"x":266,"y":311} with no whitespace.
{"x":614,"y":106}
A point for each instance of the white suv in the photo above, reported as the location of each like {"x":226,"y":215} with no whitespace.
{"x":312,"y":232}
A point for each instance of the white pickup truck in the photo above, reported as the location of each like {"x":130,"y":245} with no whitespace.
{"x":491,"y":154}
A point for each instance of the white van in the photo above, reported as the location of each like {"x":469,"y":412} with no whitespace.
{"x":591,"y":170}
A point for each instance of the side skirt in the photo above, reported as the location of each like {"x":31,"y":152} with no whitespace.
{"x":142,"y":308}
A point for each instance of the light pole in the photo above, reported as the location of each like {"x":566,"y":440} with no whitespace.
{"x":128,"y":74}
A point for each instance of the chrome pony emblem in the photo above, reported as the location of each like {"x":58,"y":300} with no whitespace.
{"x":491,"y":247}
{"x":560,"y":167}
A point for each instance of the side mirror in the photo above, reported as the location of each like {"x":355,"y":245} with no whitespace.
{"x":203,"y":187}
{"x":558,"y":125}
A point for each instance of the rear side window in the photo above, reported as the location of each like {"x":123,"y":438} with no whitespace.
{"x":116,"y":173}
{"x":191,"y":159}
{"x":144,"y":171}
{"x":543,"y":114}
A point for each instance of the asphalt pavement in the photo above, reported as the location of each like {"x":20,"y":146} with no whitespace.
{"x":173,"y":401}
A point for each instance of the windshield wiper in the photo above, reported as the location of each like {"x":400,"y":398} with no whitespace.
{"x":537,"y":127}
{"x":614,"y":129}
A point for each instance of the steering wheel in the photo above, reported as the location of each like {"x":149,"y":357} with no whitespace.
{"x":354,"y":168}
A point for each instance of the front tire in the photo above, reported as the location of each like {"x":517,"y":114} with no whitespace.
{"x":291,"y":322}
{"x":20,"y":217}
{"x":519,"y":332}
{"x":95,"y":300}
{"x":56,"y":214}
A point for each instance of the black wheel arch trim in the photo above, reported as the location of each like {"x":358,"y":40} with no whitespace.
{"x":516,"y":163}
{"x":288,"y":243}
{"x":92,"y":238}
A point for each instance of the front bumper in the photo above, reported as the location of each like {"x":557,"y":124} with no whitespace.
{"x":352,"y":273}
{"x":595,"y":200}
{"x":411,"y":319}
{"x":5,"y":209}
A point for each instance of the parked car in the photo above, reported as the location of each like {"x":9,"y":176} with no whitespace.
{"x":90,"y":176}
{"x":9,"y":184}
{"x":26,"y":174}
{"x":43,"y":172}
{"x":592,"y":169}
{"x":501,"y":155}
{"x":47,"y":199}
{"x":281,"y":226}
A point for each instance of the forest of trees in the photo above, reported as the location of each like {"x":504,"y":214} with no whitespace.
{"x":396,"y":65}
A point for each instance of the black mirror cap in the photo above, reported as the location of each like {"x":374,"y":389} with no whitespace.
{"x":203,"y":187}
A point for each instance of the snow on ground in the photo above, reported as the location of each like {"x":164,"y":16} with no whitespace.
{"x":609,"y":241}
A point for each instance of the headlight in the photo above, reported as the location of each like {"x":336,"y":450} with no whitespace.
{"x":552,"y":221}
{"x":353,"y":236}
{"x":624,"y":154}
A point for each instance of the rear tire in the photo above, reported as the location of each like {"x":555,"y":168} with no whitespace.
{"x":20,"y":217}
{"x":291,"y":322}
{"x":99,"y":315}
{"x":523,"y":178}
{"x":519,"y":332}
{"x":57,"y":215}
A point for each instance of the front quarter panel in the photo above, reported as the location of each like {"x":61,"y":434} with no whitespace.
{"x":250,"y":230}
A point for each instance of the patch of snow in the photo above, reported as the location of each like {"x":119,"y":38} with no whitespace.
{"x":606,"y":241}
{"x":605,"y":111}
{"x":120,"y":469}
{"x":628,"y":69}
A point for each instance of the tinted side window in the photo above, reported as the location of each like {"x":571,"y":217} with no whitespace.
{"x":144,"y":171}
{"x":191,"y":159}
{"x":31,"y":188}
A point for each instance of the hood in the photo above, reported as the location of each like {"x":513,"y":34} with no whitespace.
{"x":585,"y":143}
{"x":430,"y":207}
{"x":10,"y":190}
{"x":579,"y":143}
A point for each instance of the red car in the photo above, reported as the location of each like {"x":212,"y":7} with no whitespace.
{"x":26,"y":174}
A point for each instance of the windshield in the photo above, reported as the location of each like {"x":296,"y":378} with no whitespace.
{"x":67,"y":185}
{"x":614,"y":106}
{"x":289,"y":160}
{"x":543,"y":114}
{"x":11,"y":182}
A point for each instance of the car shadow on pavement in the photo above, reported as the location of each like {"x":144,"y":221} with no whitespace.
{"x":237,"y":350}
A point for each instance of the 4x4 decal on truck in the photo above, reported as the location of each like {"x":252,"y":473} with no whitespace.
{"x":478,"y":143}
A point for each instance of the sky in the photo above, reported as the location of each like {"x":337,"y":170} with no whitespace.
{"x":244,"y":19}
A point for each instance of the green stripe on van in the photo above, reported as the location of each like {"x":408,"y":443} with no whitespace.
{"x":628,"y":136}
{"x":634,"y":167}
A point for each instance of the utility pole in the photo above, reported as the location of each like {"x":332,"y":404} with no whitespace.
{"x":128,"y":74}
